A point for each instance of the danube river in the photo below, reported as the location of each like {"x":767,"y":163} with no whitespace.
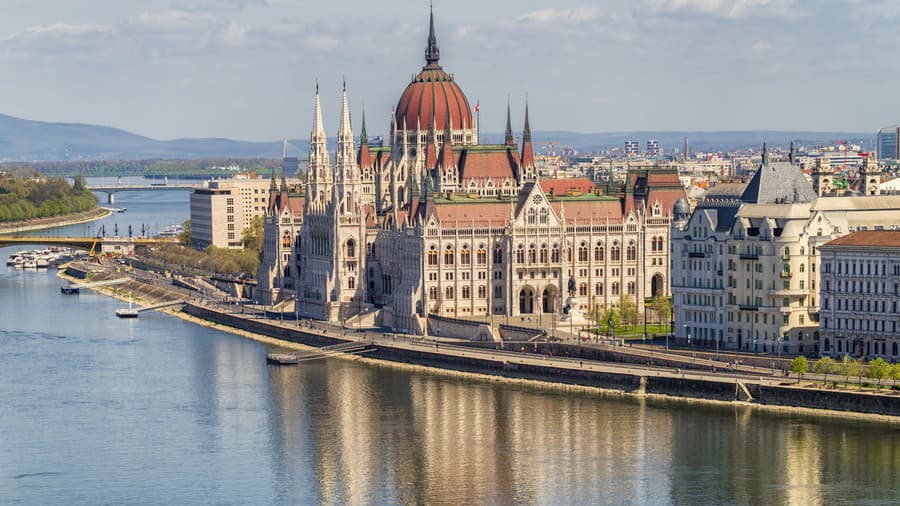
{"x":97,"y":410}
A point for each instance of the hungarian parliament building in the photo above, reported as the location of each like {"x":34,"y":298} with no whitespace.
{"x":436,"y":223}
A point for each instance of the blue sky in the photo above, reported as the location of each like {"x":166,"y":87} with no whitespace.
{"x":246,"y":69}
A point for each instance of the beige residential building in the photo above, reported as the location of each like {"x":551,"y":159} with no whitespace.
{"x":223,"y":209}
{"x":745,"y":267}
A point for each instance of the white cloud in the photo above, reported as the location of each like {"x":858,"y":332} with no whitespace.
{"x":173,"y":19}
{"x":553,"y":15}
{"x":235,"y":34}
{"x":67,"y":29}
{"x":731,"y":9}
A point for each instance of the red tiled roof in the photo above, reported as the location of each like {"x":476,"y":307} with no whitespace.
{"x":496,"y":165}
{"x":869,"y":238}
{"x":596,"y":211}
{"x":478,"y":213}
{"x":560,"y":186}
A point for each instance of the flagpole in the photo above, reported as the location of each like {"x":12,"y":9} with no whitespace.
{"x":478,"y":118}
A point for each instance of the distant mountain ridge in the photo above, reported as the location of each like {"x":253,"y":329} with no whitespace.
{"x":26,"y":140}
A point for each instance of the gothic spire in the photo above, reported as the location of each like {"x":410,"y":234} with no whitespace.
{"x":363,"y":138}
{"x":432,"y":53}
{"x":284,"y":186}
{"x":526,"y":135}
{"x":765,"y":154}
{"x":318,"y":127}
{"x":509,"y":133}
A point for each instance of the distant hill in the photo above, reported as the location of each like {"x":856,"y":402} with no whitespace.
{"x":26,"y":140}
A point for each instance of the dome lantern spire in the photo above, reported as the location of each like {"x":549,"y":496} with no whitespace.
{"x":432,"y":53}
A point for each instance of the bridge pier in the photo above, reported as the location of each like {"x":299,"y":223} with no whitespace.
{"x":110,"y":199}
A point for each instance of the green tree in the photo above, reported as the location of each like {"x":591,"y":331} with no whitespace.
{"x":849,"y":367}
{"x":879,"y":369}
{"x":253,"y":236}
{"x":895,"y":372}
{"x":80,"y":183}
{"x":826,"y":366}
{"x":184,"y":238}
{"x":628,"y":312}
{"x":611,"y":320}
{"x":799,"y":366}
{"x":662,"y":307}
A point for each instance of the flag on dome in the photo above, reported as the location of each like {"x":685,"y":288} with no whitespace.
{"x":477,"y":106}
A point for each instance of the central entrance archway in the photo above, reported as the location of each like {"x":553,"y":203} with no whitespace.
{"x":548,"y":301}
{"x":526,"y":300}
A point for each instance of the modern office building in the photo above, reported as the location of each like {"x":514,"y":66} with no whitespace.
{"x":861,"y":295}
{"x":632,"y":149}
{"x":221,"y":210}
{"x":653,"y":149}
{"x":889,"y":143}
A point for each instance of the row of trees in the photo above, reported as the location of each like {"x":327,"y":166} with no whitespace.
{"x":878,"y":369}
{"x":25,"y":198}
{"x":626,"y":314}
{"x":244,"y":262}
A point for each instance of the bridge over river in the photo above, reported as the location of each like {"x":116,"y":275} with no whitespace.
{"x":107,"y":245}
{"x":110,"y":190}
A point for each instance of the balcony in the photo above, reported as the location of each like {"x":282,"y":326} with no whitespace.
{"x":749,"y":256}
{"x":786,"y":274}
{"x":696,"y":254}
{"x":748,"y":307}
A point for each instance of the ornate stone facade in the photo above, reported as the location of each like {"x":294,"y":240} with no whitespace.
{"x":441,"y":224}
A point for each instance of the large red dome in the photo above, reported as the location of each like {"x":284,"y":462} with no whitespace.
{"x":431,"y":97}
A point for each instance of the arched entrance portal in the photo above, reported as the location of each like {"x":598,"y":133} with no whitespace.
{"x":526,"y":300}
{"x":548,"y":301}
{"x":656,"y":285}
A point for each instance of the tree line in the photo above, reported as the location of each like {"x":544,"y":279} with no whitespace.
{"x":25,"y":196}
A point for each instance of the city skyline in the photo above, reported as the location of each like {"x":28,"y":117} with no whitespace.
{"x":245,"y":69}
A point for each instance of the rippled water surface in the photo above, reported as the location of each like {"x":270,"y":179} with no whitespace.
{"x":97,"y":410}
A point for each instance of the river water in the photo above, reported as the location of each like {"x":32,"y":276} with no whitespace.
{"x":97,"y":410}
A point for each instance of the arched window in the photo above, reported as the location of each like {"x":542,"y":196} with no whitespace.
{"x":498,"y":255}
{"x":286,"y":241}
{"x":520,"y":254}
{"x":448,"y":256}
{"x":531,"y":216}
{"x":433,"y":293}
{"x":351,"y":248}
{"x":599,"y":253}
{"x":554,"y":254}
{"x":631,"y":288}
{"x":631,"y":252}
{"x":598,"y":289}
{"x":544,"y":215}
{"x":615,"y":254}
{"x":583,"y":252}
{"x":802,"y":267}
{"x":543,"y":253}
{"x":532,"y":254}
{"x":481,"y":256}
{"x":615,"y":288}
{"x":351,"y":282}
{"x":465,"y":256}
{"x":432,"y":257}
{"x":448,"y":293}
{"x":582,"y":289}
{"x":466,"y":292}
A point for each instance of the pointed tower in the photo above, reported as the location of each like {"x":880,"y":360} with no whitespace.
{"x":509,"y":134}
{"x":319,"y":171}
{"x":527,"y":171}
{"x":345,"y":167}
{"x":432,"y":53}
{"x":366,"y":167}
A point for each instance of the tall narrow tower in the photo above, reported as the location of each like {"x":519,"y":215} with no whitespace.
{"x":320,"y":175}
